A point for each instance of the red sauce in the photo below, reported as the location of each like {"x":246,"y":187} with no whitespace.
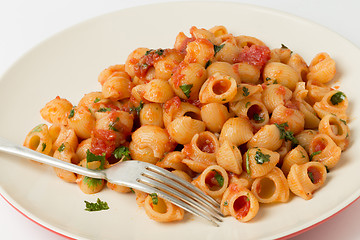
{"x":221,"y":87}
{"x":281,"y":90}
{"x":319,"y":145}
{"x":241,"y":206}
{"x":293,"y":105}
{"x":187,"y":150}
{"x":315,"y":173}
{"x":195,"y":102}
{"x":148,"y":60}
{"x":255,"y":55}
{"x":104,"y":141}
{"x":177,"y":76}
{"x":174,"y":102}
{"x":184,"y":43}
{"x":211,"y":181}
{"x":234,"y":188}
{"x":205,"y":145}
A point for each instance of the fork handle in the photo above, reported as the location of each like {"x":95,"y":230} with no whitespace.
{"x":11,"y":148}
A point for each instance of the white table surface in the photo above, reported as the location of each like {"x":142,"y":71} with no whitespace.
{"x":24,"y":24}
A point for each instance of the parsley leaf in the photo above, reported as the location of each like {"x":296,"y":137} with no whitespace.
{"x":72,"y":113}
{"x":90,"y":157}
{"x":98,"y":206}
{"x":112,"y":124}
{"x":159,"y":52}
{"x":261,"y":158}
{"x":154,"y":198}
{"x":92,"y":182}
{"x":226,"y":203}
{"x":138,"y":108}
{"x":97,"y":100}
{"x":218,"y":48}
{"x":247,"y":104}
{"x":38,"y":128}
{"x":186,"y":88}
{"x":61,"y":148}
{"x":122,"y":153}
{"x":337,"y":98}
{"x":219,"y":178}
{"x":257,"y":118}
{"x":208,"y":63}
{"x":104,"y":110}
{"x":43,"y":146}
{"x":245,"y":91}
{"x":247,"y":162}
{"x":313,"y":154}
{"x":311,"y":176}
{"x":285,"y":134}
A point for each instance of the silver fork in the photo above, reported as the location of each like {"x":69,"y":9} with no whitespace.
{"x":142,"y":176}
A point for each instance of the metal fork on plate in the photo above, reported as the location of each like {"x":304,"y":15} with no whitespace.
{"x":139,"y":175}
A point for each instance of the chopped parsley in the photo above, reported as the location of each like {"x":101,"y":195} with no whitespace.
{"x":311,"y":176}
{"x":257,"y":118}
{"x":285,"y":134}
{"x":72,"y":113}
{"x":218,"y":48}
{"x":61,"y":148}
{"x":261,"y":158}
{"x":43,"y":146}
{"x":186,"y":88}
{"x":154,"y":198}
{"x":247,"y":104}
{"x":138,"y":108}
{"x":247,"y":162}
{"x":92,"y":182}
{"x":343,"y":121}
{"x":104,"y":109}
{"x":159,"y":52}
{"x":132,"y":190}
{"x":208,"y":63}
{"x":38,"y":128}
{"x":90,"y":157}
{"x":219,"y":178}
{"x":98,"y":206}
{"x":337,"y":98}
{"x":122,"y":153}
{"x":112,"y":125}
{"x":245,"y":91}
{"x":97,"y":100}
{"x":226,"y":203}
{"x":314,"y":154}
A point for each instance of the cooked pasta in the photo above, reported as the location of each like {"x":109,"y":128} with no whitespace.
{"x":244,"y":123}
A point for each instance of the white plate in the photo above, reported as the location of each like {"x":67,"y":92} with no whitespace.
{"x":68,"y":65}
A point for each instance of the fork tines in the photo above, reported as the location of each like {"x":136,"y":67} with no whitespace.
{"x":180,"y":192}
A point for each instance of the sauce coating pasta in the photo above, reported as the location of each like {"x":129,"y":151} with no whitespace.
{"x":247,"y":124}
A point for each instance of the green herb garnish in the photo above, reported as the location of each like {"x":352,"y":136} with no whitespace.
{"x":247,"y":104}
{"x":61,"y":148}
{"x":285,"y":134}
{"x":343,"y":121}
{"x":72,"y":113}
{"x":218,"y":48}
{"x":257,"y":118}
{"x":261,"y":158}
{"x":245,"y":91}
{"x":98,"y":206}
{"x":122,"y":153}
{"x":104,"y":110}
{"x":219,"y":178}
{"x":159,"y":52}
{"x":247,"y":162}
{"x":90,"y":157}
{"x":186,"y":88}
{"x":313,"y":154}
{"x":154,"y":198}
{"x":311,"y":176}
{"x":208,"y":63}
{"x":337,"y":98}
{"x":138,"y":108}
{"x":38,"y":128}
{"x":97,"y":100}
{"x":92,"y":182}
{"x":43,"y":146}
{"x":112,"y":125}
{"x":226,"y":203}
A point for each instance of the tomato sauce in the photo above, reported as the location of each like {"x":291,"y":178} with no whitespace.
{"x":319,"y":145}
{"x":174,"y":102}
{"x":104,"y":141}
{"x":205,"y":145}
{"x":255,"y":55}
{"x":241,"y":206}
{"x":315,"y":173}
